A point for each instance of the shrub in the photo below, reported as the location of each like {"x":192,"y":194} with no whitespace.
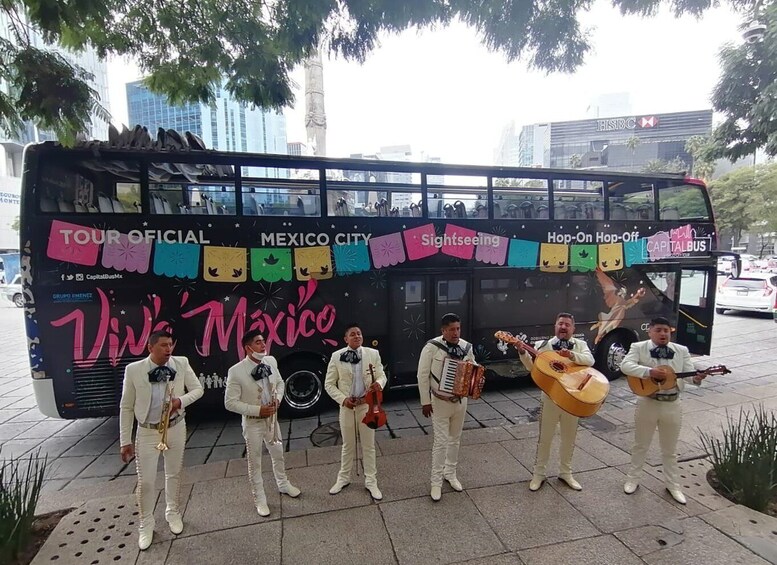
{"x":20,"y":486}
{"x":745,"y":458}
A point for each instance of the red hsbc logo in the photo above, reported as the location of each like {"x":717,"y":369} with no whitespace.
{"x":648,"y":122}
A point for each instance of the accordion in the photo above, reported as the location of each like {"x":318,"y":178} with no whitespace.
{"x":462,"y":378}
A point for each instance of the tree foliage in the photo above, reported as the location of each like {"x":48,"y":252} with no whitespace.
{"x":701,"y":148}
{"x":187,"y":48}
{"x":746,"y":94}
{"x":676,"y":165}
{"x":745,"y":200}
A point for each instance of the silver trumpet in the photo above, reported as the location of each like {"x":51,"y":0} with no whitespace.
{"x":273,"y":420}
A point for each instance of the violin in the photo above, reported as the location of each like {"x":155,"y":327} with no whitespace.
{"x":375,"y":416}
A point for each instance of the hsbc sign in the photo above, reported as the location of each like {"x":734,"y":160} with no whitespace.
{"x":615,"y":124}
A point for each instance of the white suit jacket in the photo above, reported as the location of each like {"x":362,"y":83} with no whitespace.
{"x":242,"y":394}
{"x":638,"y":361}
{"x":136,"y":392}
{"x":581,"y":353}
{"x":430,"y":361}
{"x":339,"y":374}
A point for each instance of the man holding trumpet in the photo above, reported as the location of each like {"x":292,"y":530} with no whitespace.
{"x":255,"y":390}
{"x":153,"y":386}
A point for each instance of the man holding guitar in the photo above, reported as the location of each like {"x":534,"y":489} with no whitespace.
{"x":658,"y":360}
{"x":578,"y":352}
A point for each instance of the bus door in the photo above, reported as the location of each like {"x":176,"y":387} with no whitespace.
{"x":696,"y":309}
{"x":416,"y":305}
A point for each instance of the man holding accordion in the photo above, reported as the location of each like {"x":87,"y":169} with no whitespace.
{"x":446,"y":409}
{"x":155,"y":394}
{"x":255,"y":389}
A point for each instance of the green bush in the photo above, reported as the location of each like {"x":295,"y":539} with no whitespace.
{"x":20,"y":485}
{"x":745,"y":458}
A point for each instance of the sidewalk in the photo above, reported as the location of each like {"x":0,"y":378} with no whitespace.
{"x":496,"y":520}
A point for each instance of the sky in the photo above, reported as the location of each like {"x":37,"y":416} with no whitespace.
{"x":447,"y":96}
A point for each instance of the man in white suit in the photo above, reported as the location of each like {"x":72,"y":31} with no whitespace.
{"x":145,"y":386}
{"x":255,"y":390}
{"x":577,"y":351}
{"x":348,"y":379}
{"x":447,"y":411}
{"x":663,"y":409}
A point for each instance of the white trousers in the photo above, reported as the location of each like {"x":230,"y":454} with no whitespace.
{"x":350,"y":422}
{"x":255,"y":433}
{"x":667,"y":417}
{"x":146,"y":459}
{"x":447,"y":422}
{"x":550,"y":418}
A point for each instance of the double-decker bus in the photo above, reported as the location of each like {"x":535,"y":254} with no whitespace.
{"x":118,"y":242}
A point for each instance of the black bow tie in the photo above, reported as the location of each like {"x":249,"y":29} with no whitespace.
{"x":454,"y":351}
{"x":561,"y":344}
{"x":161,"y":374}
{"x":662,"y":352}
{"x":261,"y":371}
{"x":350,"y":356}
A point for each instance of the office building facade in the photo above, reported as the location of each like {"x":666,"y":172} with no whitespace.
{"x":626,"y":143}
{"x":226,"y":124}
{"x":534,"y":146}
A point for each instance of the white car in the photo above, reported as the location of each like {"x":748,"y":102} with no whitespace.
{"x":753,"y":292}
{"x":725,"y":265}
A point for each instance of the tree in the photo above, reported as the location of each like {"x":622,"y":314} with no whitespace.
{"x":700,"y":148}
{"x":575,"y":161}
{"x":746,"y":94}
{"x":746,"y":200}
{"x":676,"y":165}
{"x":187,"y":49}
{"x":632,"y":143}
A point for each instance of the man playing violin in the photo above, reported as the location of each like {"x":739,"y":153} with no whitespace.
{"x":551,"y":416}
{"x":447,"y":411}
{"x":348,"y":378}
{"x":646,"y":360}
{"x":254,"y":390}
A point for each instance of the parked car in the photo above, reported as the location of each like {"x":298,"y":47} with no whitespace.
{"x":726,"y":265}
{"x":753,"y":292}
{"x":13,"y":291}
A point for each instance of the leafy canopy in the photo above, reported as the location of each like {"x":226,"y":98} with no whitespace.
{"x":186,"y":48}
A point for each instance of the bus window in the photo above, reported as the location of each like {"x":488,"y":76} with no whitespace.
{"x":631,"y":200}
{"x":520,"y":199}
{"x":578,"y":200}
{"x":89,"y":187}
{"x":682,"y":202}
{"x":458,"y":196}
{"x":184,"y":198}
{"x":291,"y":198}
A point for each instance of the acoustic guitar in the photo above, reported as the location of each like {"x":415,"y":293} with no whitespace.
{"x":648,"y":387}
{"x":577,"y":389}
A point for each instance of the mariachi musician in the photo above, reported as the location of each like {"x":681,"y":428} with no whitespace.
{"x":551,"y":416}
{"x":153,"y":393}
{"x":447,"y":410}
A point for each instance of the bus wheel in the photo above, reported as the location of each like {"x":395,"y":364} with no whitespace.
{"x":18,"y":299}
{"x":304,"y":386}
{"x":610,"y":353}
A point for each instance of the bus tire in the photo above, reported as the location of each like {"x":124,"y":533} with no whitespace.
{"x":18,"y":299}
{"x":720,"y":310}
{"x":610,"y":353}
{"x":304,"y":386}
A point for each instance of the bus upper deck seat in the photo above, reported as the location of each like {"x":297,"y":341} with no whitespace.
{"x":104,"y":204}
{"x":618,"y":211}
{"x":341,"y":207}
{"x":79,"y":207}
{"x":527,"y":209}
{"x":670,"y":213}
{"x":415,"y":210}
{"x":498,"y":211}
{"x":166,"y":206}
{"x":542,"y":212}
{"x":459,"y":209}
{"x":48,"y":204}
{"x":117,"y":206}
{"x":645,"y":212}
{"x":65,"y":206}
{"x":156,"y":204}
{"x":481,"y":211}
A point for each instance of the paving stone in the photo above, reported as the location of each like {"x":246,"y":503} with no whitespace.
{"x":755,"y":530}
{"x":226,"y":453}
{"x":300,"y":444}
{"x":702,"y":545}
{"x":230,"y":435}
{"x":398,"y":419}
{"x":489,"y":464}
{"x":225,"y":503}
{"x":525,"y":451}
{"x":9,"y":431}
{"x":343,"y":536}
{"x":262,"y":542}
{"x":102,"y":530}
{"x":314,"y":482}
{"x":237,"y":468}
{"x":326,"y":455}
{"x":604,"y":503}
{"x":91,"y":445}
{"x":483,"y":412}
{"x":68,"y":467}
{"x":203,"y":437}
{"x":44,"y":429}
{"x":103,"y":466}
{"x":594,"y":551}
{"x":693,"y":478}
{"x":462,"y":533}
{"x":79,"y":491}
{"x":393,"y":447}
{"x":523,"y":520}
{"x":501,"y":559}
